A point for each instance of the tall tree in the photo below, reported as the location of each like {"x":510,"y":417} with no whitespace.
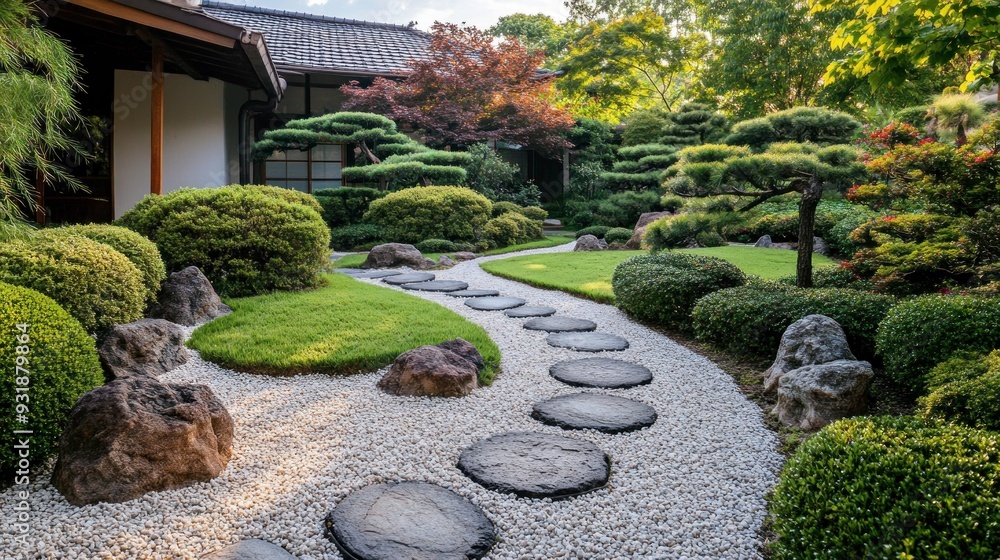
{"x":471,"y":90}
{"x":537,"y":32}
{"x":38,"y":78}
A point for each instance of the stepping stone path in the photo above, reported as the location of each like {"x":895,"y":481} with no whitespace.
{"x":409,"y":278}
{"x":375,"y":274}
{"x":474,"y":293}
{"x":411,"y":520}
{"x":351,"y":271}
{"x":603,"y":373}
{"x":536,"y":465}
{"x":495,"y":303}
{"x":436,"y":286}
{"x":560,"y":324}
{"x":530,"y":311}
{"x":587,"y":341}
{"x":590,"y":411}
{"x":252,"y":549}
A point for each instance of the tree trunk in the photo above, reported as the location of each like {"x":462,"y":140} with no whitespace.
{"x":807,"y":225}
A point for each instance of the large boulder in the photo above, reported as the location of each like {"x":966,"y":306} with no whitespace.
{"x":390,"y":255}
{"x":635,"y":242}
{"x":811,"y":397}
{"x":147,"y":347}
{"x":450,"y":369}
{"x":814,"y":339}
{"x":187,"y":298}
{"x":589,"y":243}
{"x":820,"y":246}
{"x":764,"y":242}
{"x":136,"y":435}
{"x":464,"y":256}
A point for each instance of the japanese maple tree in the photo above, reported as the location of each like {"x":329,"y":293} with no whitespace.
{"x":469,"y":90}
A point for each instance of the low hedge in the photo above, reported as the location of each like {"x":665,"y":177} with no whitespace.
{"x":246,"y":239}
{"x":412,"y":215}
{"x":96,"y":284}
{"x":504,"y":207}
{"x":597,"y":231}
{"x":62,"y":364}
{"x":534,"y":212}
{"x":751,"y":319}
{"x":349,"y":238}
{"x":437,"y":246}
{"x":618,"y":235}
{"x":511,"y":229}
{"x":887,"y":487}
{"x":832,"y":277}
{"x":663,"y":288}
{"x":345,"y":206}
{"x":920,"y":333}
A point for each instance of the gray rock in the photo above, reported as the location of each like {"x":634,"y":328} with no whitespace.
{"x":551,"y":224}
{"x":436,"y":286}
{"x":474,"y":293}
{"x":813,"y":396}
{"x":820,"y":246}
{"x":587,"y":341}
{"x":447,"y":370}
{"x":445,"y":260}
{"x":536,"y":465}
{"x":409,"y":520}
{"x":560,"y":324}
{"x":389,"y":255}
{"x":187,"y":298}
{"x":589,"y":411}
{"x":408,"y":278}
{"x":635,"y":242}
{"x":252,"y":549}
{"x":603,"y":244}
{"x":814,"y":339}
{"x":147,"y":347}
{"x":530,"y":311}
{"x":495,"y":303}
{"x":464,"y":256}
{"x":136,"y":435}
{"x":604,"y":373}
{"x":764,"y":242}
{"x":589,"y":243}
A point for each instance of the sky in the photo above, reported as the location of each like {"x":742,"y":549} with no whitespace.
{"x":480,"y":13}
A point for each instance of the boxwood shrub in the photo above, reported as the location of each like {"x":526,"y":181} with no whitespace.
{"x":751,"y":319}
{"x":63,"y":364}
{"x":920,"y":333}
{"x":246,"y":239}
{"x":597,"y":231}
{"x":96,"y":284}
{"x":511,"y":229}
{"x":832,"y":277}
{"x":663,"y":288}
{"x":504,"y":207}
{"x":437,"y":246}
{"x":345,"y":206}
{"x":887,"y":487}
{"x":349,"y":238}
{"x":534,"y":212}
{"x":418,"y":213}
{"x":618,"y":235}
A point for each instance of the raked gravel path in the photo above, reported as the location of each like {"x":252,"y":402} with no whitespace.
{"x":690,"y":486}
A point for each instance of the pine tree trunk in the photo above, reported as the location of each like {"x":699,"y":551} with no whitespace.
{"x":807,"y":226}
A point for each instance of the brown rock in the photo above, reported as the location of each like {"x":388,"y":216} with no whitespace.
{"x":147,"y":347}
{"x":464,"y":256}
{"x":589,"y":243}
{"x":616,"y":246}
{"x":390,"y":255}
{"x":447,"y":370}
{"x":187,"y":298}
{"x":811,"y":397}
{"x":635,"y":242}
{"x":445,"y":260}
{"x":137,"y":435}
{"x":465,"y":349}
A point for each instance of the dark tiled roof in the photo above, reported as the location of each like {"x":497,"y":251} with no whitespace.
{"x":326,"y":43}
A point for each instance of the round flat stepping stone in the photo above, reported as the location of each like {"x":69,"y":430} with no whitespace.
{"x":377,"y":274}
{"x":587,"y":341}
{"x":536,"y":465}
{"x":530,"y":311}
{"x":589,"y":411}
{"x":560,"y":324}
{"x":475,"y":293}
{"x":252,"y":549}
{"x":436,"y":286}
{"x":495,"y":303}
{"x":351,"y":271}
{"x":603,"y":373}
{"x":412,"y":520}
{"x":409,"y":278}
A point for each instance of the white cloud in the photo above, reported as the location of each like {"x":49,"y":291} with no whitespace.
{"x":316,"y":2}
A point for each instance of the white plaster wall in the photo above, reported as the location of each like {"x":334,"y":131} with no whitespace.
{"x":194,"y":135}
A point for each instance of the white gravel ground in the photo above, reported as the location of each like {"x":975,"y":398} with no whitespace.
{"x":691,"y":486}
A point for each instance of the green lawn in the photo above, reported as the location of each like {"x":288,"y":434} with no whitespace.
{"x":346,"y":327}
{"x":354,"y":261}
{"x":588,"y":274}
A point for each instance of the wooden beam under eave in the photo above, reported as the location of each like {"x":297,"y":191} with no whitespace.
{"x":133,"y":15}
{"x":156,"y":125}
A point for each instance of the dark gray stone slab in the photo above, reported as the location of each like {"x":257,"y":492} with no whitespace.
{"x":409,"y":278}
{"x":411,"y":520}
{"x":375,"y":274}
{"x":587,"y":341}
{"x":495,"y":303}
{"x":536,"y":465}
{"x":475,"y":293}
{"x":560,"y":324}
{"x":351,"y":271}
{"x":436,"y":286}
{"x":530,"y":311}
{"x":604,"y":373}
{"x":252,"y":549}
{"x":589,"y":411}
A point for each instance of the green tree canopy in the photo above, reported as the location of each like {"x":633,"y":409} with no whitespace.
{"x":537,"y":32}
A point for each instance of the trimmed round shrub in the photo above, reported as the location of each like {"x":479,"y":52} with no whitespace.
{"x":974,"y":403}
{"x":345,"y":206}
{"x":436,"y":246}
{"x":412,"y":215}
{"x":96,"y":284}
{"x":141,"y":251}
{"x":663,"y":288}
{"x":504,"y":207}
{"x":511,"y":229}
{"x":888,"y":487}
{"x":349,"y":238}
{"x":618,"y":235}
{"x":840,"y":239}
{"x":920,"y":333}
{"x":597,"y":231}
{"x":534,"y":212}
{"x":246,"y":239}
{"x":709,"y":239}
{"x":751,"y":319}
{"x":832,"y":277}
{"x":62,"y":364}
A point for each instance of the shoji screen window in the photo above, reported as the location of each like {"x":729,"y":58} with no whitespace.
{"x":306,"y":171}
